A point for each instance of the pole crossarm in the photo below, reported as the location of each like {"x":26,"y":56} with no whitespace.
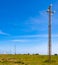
{"x":50,"y":10}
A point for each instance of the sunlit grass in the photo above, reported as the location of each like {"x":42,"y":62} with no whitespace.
{"x":27,"y":59}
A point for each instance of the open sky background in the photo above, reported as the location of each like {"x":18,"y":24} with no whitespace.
{"x":24,"y":24}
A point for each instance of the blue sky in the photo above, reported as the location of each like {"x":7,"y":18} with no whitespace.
{"x":24,"y":23}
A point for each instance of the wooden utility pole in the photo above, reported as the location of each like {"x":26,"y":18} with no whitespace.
{"x":15,"y":49}
{"x":50,"y":12}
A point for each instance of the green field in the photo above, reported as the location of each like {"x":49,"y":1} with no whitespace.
{"x":26,"y":59}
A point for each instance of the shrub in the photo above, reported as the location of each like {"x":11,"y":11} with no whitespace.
{"x":55,"y":54}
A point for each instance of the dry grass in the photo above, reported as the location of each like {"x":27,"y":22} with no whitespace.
{"x":27,"y":60}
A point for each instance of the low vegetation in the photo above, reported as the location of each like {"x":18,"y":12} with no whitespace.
{"x":27,"y":59}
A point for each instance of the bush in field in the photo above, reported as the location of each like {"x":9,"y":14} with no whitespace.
{"x":28,"y":53}
{"x":55,"y":54}
{"x":36,"y":54}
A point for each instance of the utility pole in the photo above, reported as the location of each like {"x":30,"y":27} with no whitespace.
{"x":50,"y":12}
{"x":15,"y":49}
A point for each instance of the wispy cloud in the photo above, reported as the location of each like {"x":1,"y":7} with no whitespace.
{"x":36,"y":23}
{"x":19,"y":40}
{"x":3,"y":33}
{"x":27,"y":37}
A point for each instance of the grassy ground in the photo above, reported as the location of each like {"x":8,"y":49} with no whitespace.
{"x":27,"y":60}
